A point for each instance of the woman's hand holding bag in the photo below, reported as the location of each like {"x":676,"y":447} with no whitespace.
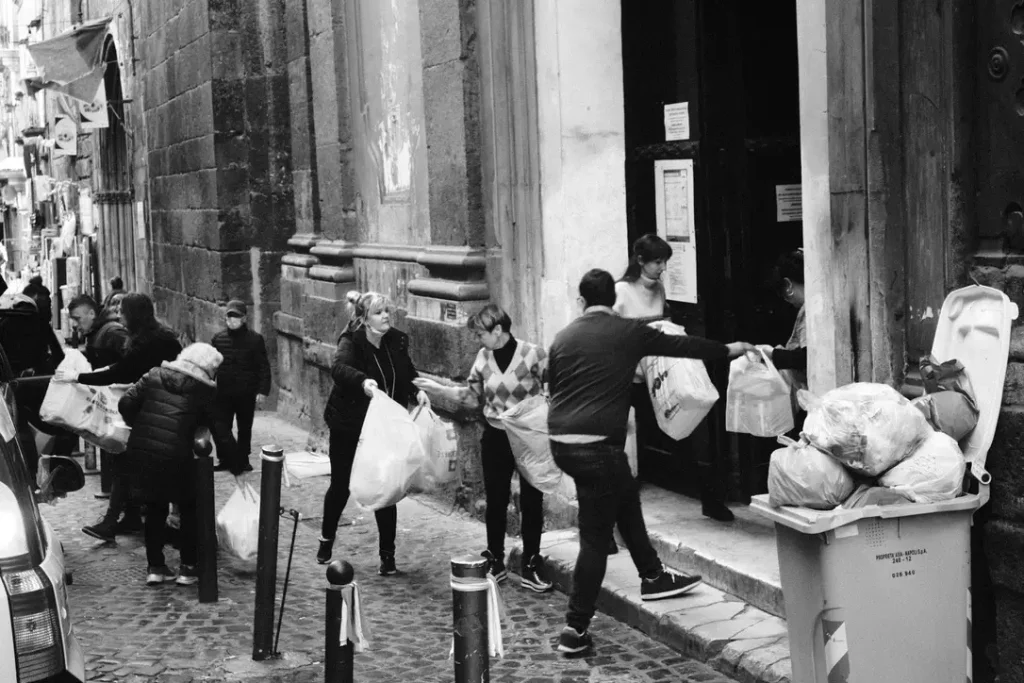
{"x":758,"y":400}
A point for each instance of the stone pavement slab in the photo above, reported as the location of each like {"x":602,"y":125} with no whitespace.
{"x":133,"y":633}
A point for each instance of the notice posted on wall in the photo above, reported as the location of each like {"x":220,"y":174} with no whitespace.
{"x":675,"y":218}
{"x":789,"y":203}
{"x":677,"y":121}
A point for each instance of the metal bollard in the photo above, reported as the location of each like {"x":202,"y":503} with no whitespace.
{"x":469,"y":612}
{"x":266,"y":553}
{"x":206,"y":534}
{"x":337,"y":655}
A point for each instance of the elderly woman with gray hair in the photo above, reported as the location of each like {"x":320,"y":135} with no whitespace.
{"x":371,"y":355}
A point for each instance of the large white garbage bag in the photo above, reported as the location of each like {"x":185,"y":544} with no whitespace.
{"x":90,"y":412}
{"x":681,"y":390}
{"x":389,"y":456}
{"x":526,"y":425}
{"x":867,"y":427}
{"x":238,"y":523}
{"x":933,"y":472}
{"x":801,"y":475}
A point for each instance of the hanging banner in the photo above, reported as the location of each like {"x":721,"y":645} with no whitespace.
{"x":65,"y":136}
{"x":72,"y":62}
{"x":94,"y":114}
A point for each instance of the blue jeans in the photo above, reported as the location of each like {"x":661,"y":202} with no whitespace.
{"x":608,"y":495}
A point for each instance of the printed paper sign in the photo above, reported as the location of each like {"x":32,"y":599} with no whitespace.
{"x":789,"y":203}
{"x":677,"y":121}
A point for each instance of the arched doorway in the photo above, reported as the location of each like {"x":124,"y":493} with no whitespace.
{"x":112,"y":183}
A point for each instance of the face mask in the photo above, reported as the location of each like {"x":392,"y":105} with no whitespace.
{"x":234,"y":323}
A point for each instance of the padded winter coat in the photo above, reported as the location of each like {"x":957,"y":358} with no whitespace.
{"x":164,"y":410}
{"x":357,"y":360}
{"x":246,"y":368}
{"x":105,"y":343}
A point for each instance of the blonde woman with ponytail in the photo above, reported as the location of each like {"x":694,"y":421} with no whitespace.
{"x":371,"y":355}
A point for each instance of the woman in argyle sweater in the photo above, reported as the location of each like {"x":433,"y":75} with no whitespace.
{"x":505,"y":372}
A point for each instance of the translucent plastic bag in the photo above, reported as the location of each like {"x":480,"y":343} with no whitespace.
{"x":867,"y":427}
{"x":389,"y":456}
{"x":631,"y":445}
{"x":90,"y":412}
{"x":238,"y":523}
{"x":933,"y":472}
{"x":441,"y":444}
{"x":758,"y":400}
{"x":681,"y":390}
{"x":526,"y":425}
{"x":801,"y":475}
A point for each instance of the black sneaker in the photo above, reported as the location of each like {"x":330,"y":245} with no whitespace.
{"x":101,"y":531}
{"x":157,"y":575}
{"x":221,"y":467}
{"x":323,"y":556}
{"x":533,"y":575}
{"x":247,"y":467}
{"x":571,"y":641}
{"x":717,"y":510}
{"x":495,"y":566}
{"x":668,"y":584}
{"x":187,"y":576}
{"x":387,"y":564}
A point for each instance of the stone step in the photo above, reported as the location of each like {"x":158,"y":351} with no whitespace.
{"x":709,"y":625}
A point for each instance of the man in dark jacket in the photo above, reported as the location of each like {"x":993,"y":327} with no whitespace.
{"x":164,"y":410}
{"x":104,"y":335}
{"x":243,"y":379}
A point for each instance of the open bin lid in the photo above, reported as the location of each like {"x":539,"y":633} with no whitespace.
{"x":974,"y":328}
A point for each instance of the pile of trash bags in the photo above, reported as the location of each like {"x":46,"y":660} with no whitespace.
{"x":866,"y":444}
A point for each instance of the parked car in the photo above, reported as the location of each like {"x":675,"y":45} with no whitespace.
{"x":37,"y":638}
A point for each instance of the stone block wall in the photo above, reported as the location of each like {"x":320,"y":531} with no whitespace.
{"x":218,"y":141}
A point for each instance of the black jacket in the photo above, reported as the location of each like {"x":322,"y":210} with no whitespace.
{"x":106,"y":341}
{"x":28,"y":340}
{"x":246,"y":368}
{"x":164,"y":409}
{"x":357,"y":360}
{"x":141,"y":357}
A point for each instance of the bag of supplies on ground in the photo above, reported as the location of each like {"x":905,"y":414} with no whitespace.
{"x":866,"y":426}
{"x":801,"y":475}
{"x":526,"y":424}
{"x":90,"y":412}
{"x":441,"y":445}
{"x":933,"y":472}
{"x":303,"y":464}
{"x":758,"y":400}
{"x":389,"y":456}
{"x":238,"y":523}
{"x":681,"y":390}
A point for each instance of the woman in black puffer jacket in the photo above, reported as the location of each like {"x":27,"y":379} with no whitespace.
{"x":371,"y":355}
{"x":164,"y":410}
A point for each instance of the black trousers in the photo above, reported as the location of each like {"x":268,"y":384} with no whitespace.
{"x":342,"y":452}
{"x":155,"y":528}
{"x":498,"y":466}
{"x":229,"y":410}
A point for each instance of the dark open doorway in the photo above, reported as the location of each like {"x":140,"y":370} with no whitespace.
{"x":735,"y":64}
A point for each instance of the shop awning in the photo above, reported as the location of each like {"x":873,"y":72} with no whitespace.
{"x":72,"y":62}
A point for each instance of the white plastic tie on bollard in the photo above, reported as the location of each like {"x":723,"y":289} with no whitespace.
{"x":353,"y":627}
{"x":495,"y":610}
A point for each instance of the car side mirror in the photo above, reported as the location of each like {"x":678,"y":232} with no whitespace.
{"x":66,"y":475}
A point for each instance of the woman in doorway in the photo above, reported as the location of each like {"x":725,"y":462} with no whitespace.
{"x":505,"y":372}
{"x":640,"y":293}
{"x":788,"y":281}
{"x":371,"y":355}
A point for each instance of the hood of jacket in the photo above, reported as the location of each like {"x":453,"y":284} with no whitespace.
{"x":180,"y":378}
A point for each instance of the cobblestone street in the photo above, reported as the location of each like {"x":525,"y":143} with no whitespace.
{"x":134,"y":633}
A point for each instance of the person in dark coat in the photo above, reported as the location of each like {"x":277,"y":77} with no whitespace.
{"x":164,"y":410}
{"x":242,"y":382}
{"x":102,"y":333}
{"x":371,"y":355}
{"x":149,"y":344}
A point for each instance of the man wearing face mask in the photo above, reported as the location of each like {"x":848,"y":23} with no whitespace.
{"x":242,"y":382}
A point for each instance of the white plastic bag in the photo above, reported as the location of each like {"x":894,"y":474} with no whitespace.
{"x":389,"y":455}
{"x":238,"y":523}
{"x":933,"y":472}
{"x":90,"y":412}
{"x":801,"y":475}
{"x":441,"y":444}
{"x":303,"y":464}
{"x":681,"y":390}
{"x":758,"y":400}
{"x":631,"y":445}
{"x":867,"y":427}
{"x":526,"y":425}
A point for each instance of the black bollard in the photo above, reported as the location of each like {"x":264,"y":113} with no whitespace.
{"x":337,"y":655}
{"x":469,"y":612}
{"x":266,"y":554}
{"x":206,"y":534}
